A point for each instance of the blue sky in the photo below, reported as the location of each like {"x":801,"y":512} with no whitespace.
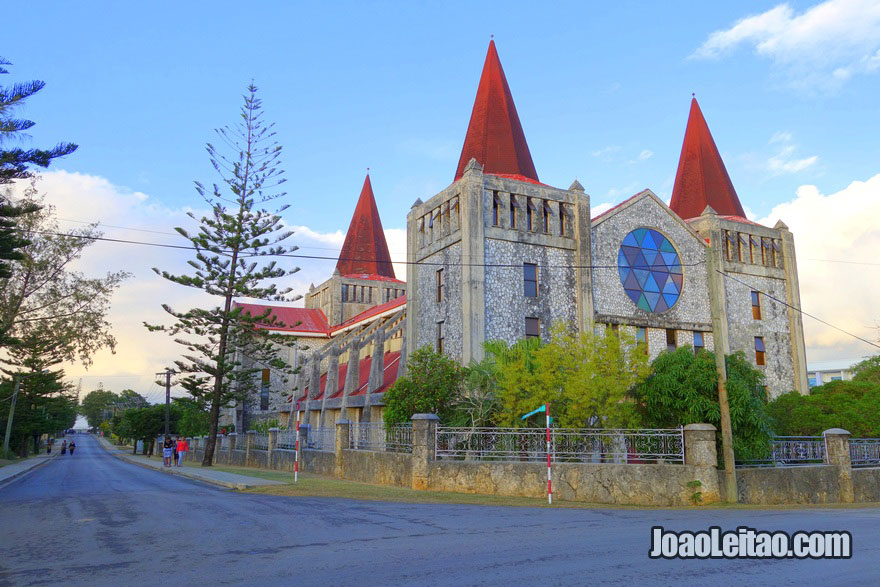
{"x":602,"y":90}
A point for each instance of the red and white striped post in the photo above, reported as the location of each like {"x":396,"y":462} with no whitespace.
{"x":549,"y":470}
{"x":296,"y":449}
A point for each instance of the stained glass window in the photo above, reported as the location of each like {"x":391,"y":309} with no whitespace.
{"x":650,"y":270}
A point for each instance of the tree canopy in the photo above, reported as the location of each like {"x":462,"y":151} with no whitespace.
{"x":430,"y":386}
{"x":683,"y":389}
{"x":224,"y":350}
{"x":587,"y":378}
{"x":851,"y":405}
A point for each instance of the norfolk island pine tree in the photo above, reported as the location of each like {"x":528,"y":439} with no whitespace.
{"x":234,"y":247}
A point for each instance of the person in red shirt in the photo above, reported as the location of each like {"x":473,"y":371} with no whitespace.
{"x":182,"y":448}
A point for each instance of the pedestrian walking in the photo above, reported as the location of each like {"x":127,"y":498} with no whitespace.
{"x":182,"y":449}
{"x":71,"y":447}
{"x":167,"y":451}
{"x":49,"y":443}
{"x":64,"y":447}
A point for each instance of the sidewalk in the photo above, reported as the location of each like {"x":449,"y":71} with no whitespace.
{"x":206,"y":474}
{"x":17,"y":469}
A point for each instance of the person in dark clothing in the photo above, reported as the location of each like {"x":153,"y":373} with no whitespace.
{"x":64,"y":447}
{"x":71,"y":447}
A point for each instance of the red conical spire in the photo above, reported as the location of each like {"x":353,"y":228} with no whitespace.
{"x":495,"y":137}
{"x":365,"y":251}
{"x":702,"y":179}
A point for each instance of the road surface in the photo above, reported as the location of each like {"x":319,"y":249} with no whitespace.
{"x":92,"y":519}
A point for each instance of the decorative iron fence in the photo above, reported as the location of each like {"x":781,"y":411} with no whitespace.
{"x":287,"y":439}
{"x":322,"y":439}
{"x":571,"y":445}
{"x":791,"y":451}
{"x":864,"y":452}
{"x":261,"y":441}
{"x":376,"y":436}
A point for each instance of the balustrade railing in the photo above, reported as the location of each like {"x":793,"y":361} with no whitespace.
{"x":322,"y":439}
{"x":575,"y":445}
{"x":261,"y":441}
{"x":791,"y":451}
{"x":379,"y":437}
{"x":287,"y":439}
{"x":864,"y":452}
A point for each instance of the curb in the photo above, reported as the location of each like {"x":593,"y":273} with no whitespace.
{"x":171,"y":471}
{"x":20,"y":474}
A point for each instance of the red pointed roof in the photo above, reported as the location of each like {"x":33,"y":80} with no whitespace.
{"x":495,"y":136}
{"x":702,"y":179}
{"x":365,"y":250}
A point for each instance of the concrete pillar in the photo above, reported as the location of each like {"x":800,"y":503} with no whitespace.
{"x":795,"y":320}
{"x":580,"y":228}
{"x":273,"y":445}
{"x":343,"y":436}
{"x":304,"y":436}
{"x":401,"y":365}
{"x":352,"y":375}
{"x":473,"y":273}
{"x":699,"y":445}
{"x":423,"y":449}
{"x":331,"y":384}
{"x":837,"y":454}
{"x":233,"y":441}
{"x":249,"y":446}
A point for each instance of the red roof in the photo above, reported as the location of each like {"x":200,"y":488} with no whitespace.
{"x":389,"y":376}
{"x":495,"y":136}
{"x":702,"y":179}
{"x":365,"y":251}
{"x":374,"y":311}
{"x":310,"y":320}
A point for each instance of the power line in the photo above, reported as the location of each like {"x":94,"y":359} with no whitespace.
{"x":356,"y":259}
{"x":798,"y":309}
{"x":846,"y":262}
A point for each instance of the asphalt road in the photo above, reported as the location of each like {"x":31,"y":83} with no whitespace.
{"x":92,"y":519}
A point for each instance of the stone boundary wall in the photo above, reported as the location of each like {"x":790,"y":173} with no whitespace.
{"x":624,"y":484}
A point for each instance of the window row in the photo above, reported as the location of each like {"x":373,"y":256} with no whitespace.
{"x":442,"y":221}
{"x":362,"y":294}
{"x":671,"y":338}
{"x":748,"y":248}
{"x":531,"y":214}
{"x":391,"y":293}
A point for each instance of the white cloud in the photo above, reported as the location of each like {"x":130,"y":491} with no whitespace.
{"x":822,"y":46}
{"x":833,"y":234}
{"x":784,"y":159}
{"x":605,"y":151}
{"x":645,"y":154}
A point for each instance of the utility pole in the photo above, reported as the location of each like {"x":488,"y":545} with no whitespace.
{"x":11,"y":414}
{"x":167,"y":374}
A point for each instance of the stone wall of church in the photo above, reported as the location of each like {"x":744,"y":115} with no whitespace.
{"x":692,"y":311}
{"x":773,"y":327}
{"x":507,"y":306}
{"x":429,"y":311}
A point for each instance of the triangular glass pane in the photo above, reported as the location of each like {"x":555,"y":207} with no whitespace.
{"x":651,"y":285}
{"x":630,"y":240}
{"x":677,"y":279}
{"x":634,"y":294}
{"x":641,"y":276}
{"x":652,"y":298}
{"x":661,"y":305}
{"x":661,"y":277}
{"x":667,"y":246}
{"x":631,"y":282}
{"x":670,"y":259}
{"x":639,"y":234}
{"x":671,"y":287}
{"x":670,"y":299}
{"x":643,"y":303}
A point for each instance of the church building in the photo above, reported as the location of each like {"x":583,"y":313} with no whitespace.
{"x":500,"y":255}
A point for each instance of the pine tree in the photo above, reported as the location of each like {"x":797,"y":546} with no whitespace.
{"x":15,"y":164}
{"x":224,"y":347}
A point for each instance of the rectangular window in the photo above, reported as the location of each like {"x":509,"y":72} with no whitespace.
{"x":756,"y":305}
{"x":264,"y":390}
{"x":811,"y":381}
{"x":642,"y":337}
{"x":530,"y":215}
{"x":671,"y":341}
{"x":836,"y":378}
{"x":530,"y":280}
{"x":441,"y":284}
{"x":777,"y":253}
{"x":561,"y":219}
{"x":496,"y":209}
{"x":759,"y":350}
{"x":441,"y":335}
{"x":512,"y":211}
{"x":344,"y":293}
{"x":699,"y":344}
{"x":743,"y":247}
{"x":547,"y":213}
{"x":533,"y":328}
